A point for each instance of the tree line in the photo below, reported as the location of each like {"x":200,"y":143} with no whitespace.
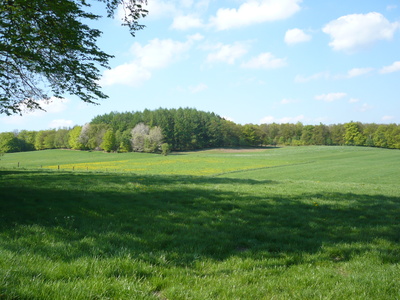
{"x":184,"y":129}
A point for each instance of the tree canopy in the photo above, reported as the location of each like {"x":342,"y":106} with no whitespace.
{"x":47,"y":50}
{"x":163,"y":130}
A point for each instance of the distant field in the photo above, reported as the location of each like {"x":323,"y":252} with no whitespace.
{"x":300,"y":163}
{"x":185,"y":163}
{"x":284,"y":223}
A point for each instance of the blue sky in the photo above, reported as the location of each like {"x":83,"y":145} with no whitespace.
{"x":257,"y":61}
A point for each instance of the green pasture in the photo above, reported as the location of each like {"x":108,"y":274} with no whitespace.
{"x":190,"y":163}
{"x":284,"y":223}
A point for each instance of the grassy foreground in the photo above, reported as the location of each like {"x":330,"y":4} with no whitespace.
{"x":290,"y":223}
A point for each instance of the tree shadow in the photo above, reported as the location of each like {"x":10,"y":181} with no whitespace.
{"x":186,"y":218}
{"x":123,"y":178}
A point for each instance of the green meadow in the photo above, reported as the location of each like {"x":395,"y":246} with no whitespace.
{"x":278,"y":223}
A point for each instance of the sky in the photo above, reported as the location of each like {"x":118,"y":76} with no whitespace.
{"x":249,"y":61}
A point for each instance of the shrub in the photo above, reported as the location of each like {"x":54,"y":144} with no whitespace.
{"x":165,"y":149}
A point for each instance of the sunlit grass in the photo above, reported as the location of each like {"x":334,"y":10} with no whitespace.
{"x":297,"y":231}
{"x":198,"y":163}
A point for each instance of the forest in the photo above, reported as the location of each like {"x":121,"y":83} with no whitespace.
{"x":163,"y":130}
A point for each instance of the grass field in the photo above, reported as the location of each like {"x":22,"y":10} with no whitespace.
{"x":189,"y":163}
{"x":285,"y":223}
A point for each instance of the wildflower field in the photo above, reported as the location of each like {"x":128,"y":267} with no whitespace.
{"x":279,"y":223}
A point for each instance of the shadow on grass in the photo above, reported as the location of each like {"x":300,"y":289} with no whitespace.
{"x":67,"y":216}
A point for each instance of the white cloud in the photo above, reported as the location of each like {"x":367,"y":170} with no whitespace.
{"x":12,"y":120}
{"x":354,"y":100}
{"x":186,"y":3}
{"x":195,"y":37}
{"x":272,"y":119}
{"x":158,"y":8}
{"x":365,"y":107}
{"x":159,"y":53}
{"x":268,"y":120}
{"x":353,"y":32}
{"x":198,"y":88}
{"x":265,"y":61}
{"x":52,"y":106}
{"x":303,"y":79}
{"x":154,"y":55}
{"x":227,"y":118}
{"x":227,"y":53}
{"x":355,"y":72}
{"x":253,"y":12}
{"x":61,"y":123}
{"x":251,"y":80}
{"x":295,"y":36}
{"x":395,"y":67}
{"x":187,"y":22}
{"x":358,"y":72}
{"x":330,"y":97}
{"x":193,"y":89}
{"x":202,"y":5}
{"x":288,"y":101}
{"x":327,"y":75}
{"x":169,"y":9}
{"x":130,"y":74}
{"x":292,"y":119}
{"x":391,"y":7}
{"x":387,"y":118}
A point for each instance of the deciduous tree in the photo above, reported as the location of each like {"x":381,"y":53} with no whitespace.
{"x":139,"y":133}
{"x":108,"y":143}
{"x":353,"y":134}
{"x":73,"y":140}
{"x":154,"y":140}
{"x":47,"y":49}
{"x":9,"y":142}
{"x":27,"y":139}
